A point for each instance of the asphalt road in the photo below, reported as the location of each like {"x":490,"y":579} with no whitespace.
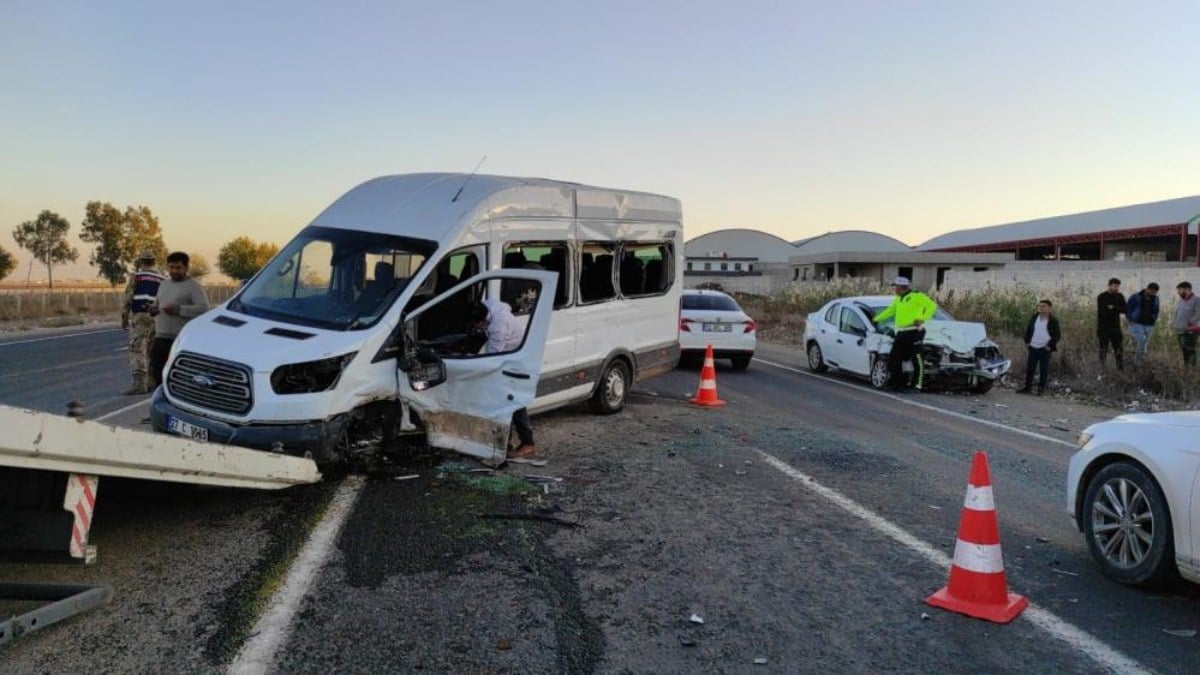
{"x":768,"y":518}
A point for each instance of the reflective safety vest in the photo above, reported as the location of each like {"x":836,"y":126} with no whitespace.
{"x":908,"y":308}
{"x":145,"y":290}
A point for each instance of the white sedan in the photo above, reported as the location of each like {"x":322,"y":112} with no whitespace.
{"x":1132,"y":489}
{"x":713,"y":318}
{"x":955,"y":353}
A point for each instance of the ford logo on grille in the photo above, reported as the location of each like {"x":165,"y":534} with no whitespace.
{"x":204,"y":381}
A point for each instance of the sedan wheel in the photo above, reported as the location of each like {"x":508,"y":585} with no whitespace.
{"x":1128,"y":527}
{"x":816,"y":361}
{"x":880,"y":373}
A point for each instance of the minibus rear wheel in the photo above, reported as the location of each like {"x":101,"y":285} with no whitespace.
{"x":610,"y":394}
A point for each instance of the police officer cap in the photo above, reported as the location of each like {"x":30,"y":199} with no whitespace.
{"x":146,"y":255}
{"x":901,"y":281}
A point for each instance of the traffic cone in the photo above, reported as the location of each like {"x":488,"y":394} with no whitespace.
{"x":707,"y":393}
{"x":977,"y":585}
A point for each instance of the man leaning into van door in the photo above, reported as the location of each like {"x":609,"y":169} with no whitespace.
{"x":504,"y":334}
{"x":911,"y":309}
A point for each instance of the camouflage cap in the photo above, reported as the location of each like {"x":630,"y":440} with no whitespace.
{"x":147,"y":255}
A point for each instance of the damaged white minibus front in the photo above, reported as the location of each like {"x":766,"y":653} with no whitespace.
{"x":360,"y":327}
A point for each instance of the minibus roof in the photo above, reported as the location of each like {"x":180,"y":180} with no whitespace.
{"x":431,"y":206}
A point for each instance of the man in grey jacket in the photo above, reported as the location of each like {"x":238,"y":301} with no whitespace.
{"x":180,"y":299}
{"x":1186,"y":321}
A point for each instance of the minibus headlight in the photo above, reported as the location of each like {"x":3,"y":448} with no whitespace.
{"x":311,"y":376}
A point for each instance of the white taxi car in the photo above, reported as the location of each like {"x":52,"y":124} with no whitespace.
{"x":955,"y":353}
{"x":1133,"y":490}
{"x":714,"y":318}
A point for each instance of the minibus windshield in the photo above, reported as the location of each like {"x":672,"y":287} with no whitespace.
{"x":333,"y":278}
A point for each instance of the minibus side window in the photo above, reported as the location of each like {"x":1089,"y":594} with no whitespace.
{"x":596,"y":272}
{"x":467,"y":339}
{"x":447,"y":317}
{"x":551,"y":256}
{"x":645,"y":269}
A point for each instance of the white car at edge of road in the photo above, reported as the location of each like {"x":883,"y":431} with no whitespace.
{"x":842,"y":335}
{"x":712,"y":317}
{"x":1132,"y":490}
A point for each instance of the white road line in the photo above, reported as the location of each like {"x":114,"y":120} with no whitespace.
{"x":58,"y":337}
{"x":274,"y":628}
{"x":114,"y":413}
{"x":1075,"y":638}
{"x":923,"y":406}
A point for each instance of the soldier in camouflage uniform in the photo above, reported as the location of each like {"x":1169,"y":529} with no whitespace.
{"x":140,"y":293}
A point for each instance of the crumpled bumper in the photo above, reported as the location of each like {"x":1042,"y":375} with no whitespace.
{"x":316,"y":439}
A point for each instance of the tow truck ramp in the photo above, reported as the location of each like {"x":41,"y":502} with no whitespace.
{"x":44,"y":456}
{"x":41,"y":453}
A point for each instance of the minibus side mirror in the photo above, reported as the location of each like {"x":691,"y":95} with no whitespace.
{"x":425,"y":370}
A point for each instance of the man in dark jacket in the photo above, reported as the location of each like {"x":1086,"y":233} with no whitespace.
{"x":1110,"y":309}
{"x":1041,"y":337}
{"x":1142,"y":311}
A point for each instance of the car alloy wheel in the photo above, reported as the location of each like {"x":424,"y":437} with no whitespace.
{"x":880,"y":373}
{"x":816,"y":361}
{"x":1127,"y":525}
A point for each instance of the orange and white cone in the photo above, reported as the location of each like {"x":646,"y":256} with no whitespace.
{"x":707,"y":393}
{"x":977,"y":585}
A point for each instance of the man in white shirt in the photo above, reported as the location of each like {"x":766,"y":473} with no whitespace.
{"x":1041,"y":336}
{"x":505,"y":333}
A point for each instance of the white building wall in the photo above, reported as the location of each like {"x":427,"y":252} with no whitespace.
{"x":1054,"y":279}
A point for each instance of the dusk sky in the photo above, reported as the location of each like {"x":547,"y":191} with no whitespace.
{"x":796,"y":118}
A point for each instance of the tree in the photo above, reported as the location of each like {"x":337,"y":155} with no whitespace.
{"x":198,"y":267}
{"x":46,"y":239}
{"x":120,"y":238}
{"x":8,"y":263}
{"x":103,"y":225}
{"x":142,"y":233}
{"x":243,"y":257}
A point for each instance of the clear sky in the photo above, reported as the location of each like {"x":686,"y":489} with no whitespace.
{"x":796,"y":118}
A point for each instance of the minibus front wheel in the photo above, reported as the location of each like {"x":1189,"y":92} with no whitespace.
{"x":613,"y":388}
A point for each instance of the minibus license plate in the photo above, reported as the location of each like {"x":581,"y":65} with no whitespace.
{"x":716,"y":327}
{"x":178,"y":426}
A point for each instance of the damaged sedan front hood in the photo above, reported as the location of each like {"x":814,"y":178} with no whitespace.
{"x":961,"y":337}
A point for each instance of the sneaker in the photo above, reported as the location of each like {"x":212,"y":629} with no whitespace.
{"x":525,"y":450}
{"x":1041,"y":390}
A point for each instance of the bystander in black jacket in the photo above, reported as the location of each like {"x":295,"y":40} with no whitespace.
{"x":1110,"y":306}
{"x":1051,"y":326}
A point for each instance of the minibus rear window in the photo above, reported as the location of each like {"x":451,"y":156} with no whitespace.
{"x":334,"y":278}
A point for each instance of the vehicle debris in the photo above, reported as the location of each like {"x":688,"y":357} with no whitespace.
{"x":531,"y":462}
{"x":696,"y":618}
{"x":686,"y":641}
{"x":407,"y":477}
{"x":1062,"y":571}
{"x":760,"y":661}
{"x":924,"y":616}
{"x":530,"y":516}
{"x":1180,"y":633}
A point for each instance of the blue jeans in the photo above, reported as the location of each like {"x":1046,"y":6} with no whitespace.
{"x":1140,"y":333}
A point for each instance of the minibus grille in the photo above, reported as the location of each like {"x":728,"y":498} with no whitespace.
{"x":209,"y":383}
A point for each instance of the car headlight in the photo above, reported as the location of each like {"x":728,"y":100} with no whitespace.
{"x":1084,"y":439}
{"x":311,"y":376}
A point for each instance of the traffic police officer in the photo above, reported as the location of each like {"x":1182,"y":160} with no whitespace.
{"x":911,"y":309}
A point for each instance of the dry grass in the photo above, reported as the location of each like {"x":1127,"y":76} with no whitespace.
{"x":1161,"y":381}
{"x":66,"y":306}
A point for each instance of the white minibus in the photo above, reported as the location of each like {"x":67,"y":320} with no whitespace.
{"x":360,"y":325}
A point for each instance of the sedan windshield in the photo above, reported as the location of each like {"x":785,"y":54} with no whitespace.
{"x":872,"y":310}
{"x":333,"y":278}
